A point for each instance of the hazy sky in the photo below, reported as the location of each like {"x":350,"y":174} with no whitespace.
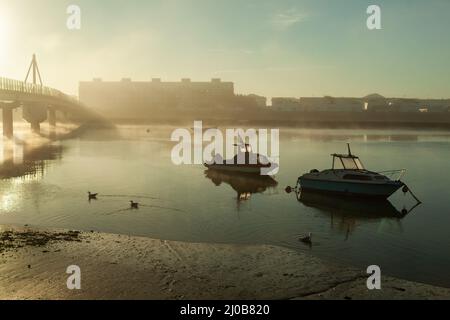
{"x":274,"y":48}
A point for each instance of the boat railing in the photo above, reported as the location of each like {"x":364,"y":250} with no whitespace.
{"x":398,"y":174}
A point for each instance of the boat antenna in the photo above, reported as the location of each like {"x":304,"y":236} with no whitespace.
{"x":349,"y":150}
{"x":242,"y":143}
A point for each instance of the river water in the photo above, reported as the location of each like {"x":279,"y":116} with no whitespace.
{"x":46,"y":185}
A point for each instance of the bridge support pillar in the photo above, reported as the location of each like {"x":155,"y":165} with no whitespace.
{"x":36,"y":127}
{"x":52,"y":117}
{"x":52,"y":121}
{"x":35,"y":114}
{"x":8,"y":128}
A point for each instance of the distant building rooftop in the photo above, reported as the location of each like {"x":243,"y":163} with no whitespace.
{"x":374,"y":96}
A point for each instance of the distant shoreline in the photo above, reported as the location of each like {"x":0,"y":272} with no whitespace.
{"x":34,"y":261}
{"x":319,"y":120}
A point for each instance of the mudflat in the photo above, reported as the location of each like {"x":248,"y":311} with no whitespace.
{"x":33,"y":264}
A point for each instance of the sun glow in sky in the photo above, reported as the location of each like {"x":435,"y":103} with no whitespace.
{"x":268,"y":47}
{"x":5,"y":33}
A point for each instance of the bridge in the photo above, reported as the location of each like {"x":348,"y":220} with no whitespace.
{"x":38,"y":102}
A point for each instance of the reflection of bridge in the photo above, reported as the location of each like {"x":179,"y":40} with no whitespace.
{"x":39,"y":103}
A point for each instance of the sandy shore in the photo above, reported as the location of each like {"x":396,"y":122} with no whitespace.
{"x":33,"y":265}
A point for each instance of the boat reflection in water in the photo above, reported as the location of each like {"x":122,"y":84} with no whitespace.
{"x":245,"y":184}
{"x":347,"y":213}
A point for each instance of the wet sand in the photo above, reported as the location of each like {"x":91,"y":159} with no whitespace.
{"x":33,"y":265}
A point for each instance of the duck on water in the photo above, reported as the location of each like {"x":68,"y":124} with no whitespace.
{"x":352,"y":180}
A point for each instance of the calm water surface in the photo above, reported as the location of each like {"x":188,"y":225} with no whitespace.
{"x":47,"y":186}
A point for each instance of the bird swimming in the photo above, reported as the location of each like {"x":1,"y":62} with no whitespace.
{"x":134,"y":205}
{"x":92,"y":196}
{"x":307,"y":239}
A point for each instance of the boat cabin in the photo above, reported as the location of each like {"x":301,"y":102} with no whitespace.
{"x":348,"y":161}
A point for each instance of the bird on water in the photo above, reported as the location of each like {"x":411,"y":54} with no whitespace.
{"x":307,"y":239}
{"x":92,"y":196}
{"x":134,"y":205}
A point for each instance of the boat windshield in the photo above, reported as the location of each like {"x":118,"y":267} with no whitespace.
{"x":359,"y":164}
{"x":351,"y":163}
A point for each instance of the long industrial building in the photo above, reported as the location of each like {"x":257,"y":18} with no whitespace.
{"x":126,"y":98}
{"x":373,"y":102}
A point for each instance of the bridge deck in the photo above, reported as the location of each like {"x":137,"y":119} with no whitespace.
{"x":10,"y":88}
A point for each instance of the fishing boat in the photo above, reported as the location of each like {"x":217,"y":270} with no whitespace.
{"x":352,"y":179}
{"x":245,"y":161}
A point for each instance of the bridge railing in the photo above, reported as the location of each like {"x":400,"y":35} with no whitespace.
{"x":29,"y":88}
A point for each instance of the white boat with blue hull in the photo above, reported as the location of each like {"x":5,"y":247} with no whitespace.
{"x":352,"y":180}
